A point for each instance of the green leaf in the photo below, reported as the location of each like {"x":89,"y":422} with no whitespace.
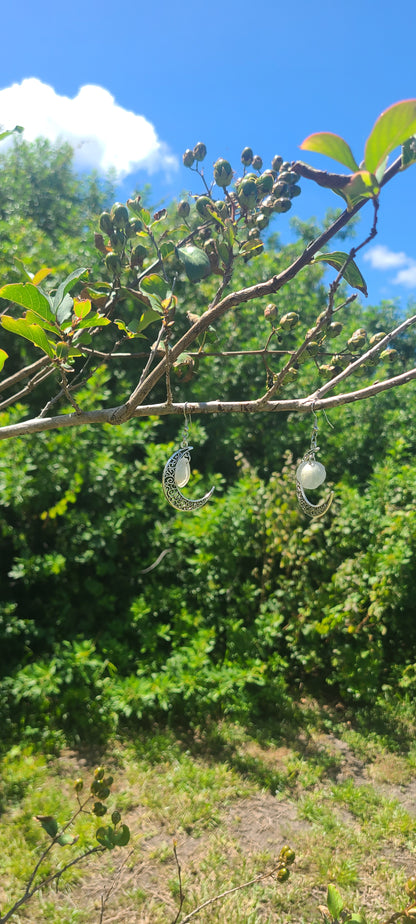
{"x":195,"y":261}
{"x":64,"y":309}
{"x":82,"y":307}
{"x":32,"y":332}
{"x":3,"y":357}
{"x":65,"y":287}
{"x":49,"y":824}
{"x":334,"y":901}
{"x":351,"y":273}
{"x":148,"y":317}
{"x":32,"y":318}
{"x":362,"y":185}
{"x":122,"y":836}
{"x":154,"y":285}
{"x":65,"y":839}
{"x":393,"y":127}
{"x":332,"y":146}
{"x":19,"y":263}
{"x":167,"y":248}
{"x":106,"y":837}
{"x":409,"y":153}
{"x":94,"y":320}
{"x":28,"y":296}
{"x":144,"y":215}
{"x":11,"y":131}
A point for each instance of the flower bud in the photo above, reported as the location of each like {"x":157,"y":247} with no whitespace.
{"x":277,"y":162}
{"x":257,"y":162}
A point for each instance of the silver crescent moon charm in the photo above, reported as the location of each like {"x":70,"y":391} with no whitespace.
{"x":175,"y":475}
{"x":311,"y":510}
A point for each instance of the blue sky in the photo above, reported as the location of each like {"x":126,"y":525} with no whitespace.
{"x":134,"y":84}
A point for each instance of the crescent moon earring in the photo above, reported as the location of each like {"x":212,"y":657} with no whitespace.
{"x":176,"y":475}
{"x":311,"y":474}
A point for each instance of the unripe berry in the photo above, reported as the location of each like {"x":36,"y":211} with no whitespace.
{"x":184,"y":208}
{"x":119,"y":215}
{"x":223,"y":172}
{"x":257,"y":162}
{"x":247,"y":157}
{"x":188,"y":158}
{"x":200,"y":151}
{"x":277,"y":162}
{"x":289,"y":320}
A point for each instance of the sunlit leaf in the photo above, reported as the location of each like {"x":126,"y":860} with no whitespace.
{"x":81,"y":307}
{"x":11,"y":131}
{"x":28,"y":296}
{"x":32,"y":332}
{"x":362,"y":185}
{"x":409,"y":153}
{"x":351,"y":272}
{"x":41,"y":275}
{"x":32,"y":318}
{"x":195,"y":261}
{"x":393,"y":127}
{"x":332,"y":146}
{"x":23,"y":269}
{"x":147,"y":318}
{"x":3,"y":357}
{"x":64,"y":839}
{"x":154,"y":285}
{"x":334,"y":901}
{"x":94,"y":320}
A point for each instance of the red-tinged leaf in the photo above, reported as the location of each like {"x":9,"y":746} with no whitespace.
{"x":332,"y":146}
{"x":393,"y":127}
{"x":28,"y":296}
{"x":81,"y":307}
{"x":32,"y":332}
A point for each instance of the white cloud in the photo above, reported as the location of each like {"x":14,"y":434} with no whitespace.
{"x":407,"y":277}
{"x":382,"y":258}
{"x":102,"y":133}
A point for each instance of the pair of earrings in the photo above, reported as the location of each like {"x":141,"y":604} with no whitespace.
{"x":310,"y":474}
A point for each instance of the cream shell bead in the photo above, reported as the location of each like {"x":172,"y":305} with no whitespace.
{"x":182,"y":472}
{"x":311,"y":474}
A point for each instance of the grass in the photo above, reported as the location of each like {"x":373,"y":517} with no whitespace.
{"x":227,"y":799}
